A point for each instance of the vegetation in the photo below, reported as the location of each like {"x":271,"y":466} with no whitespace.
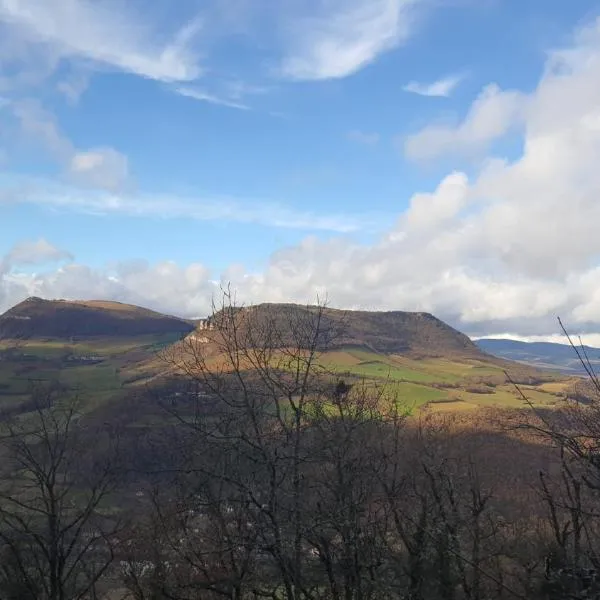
{"x":429,"y":361}
{"x":279,"y":461}
{"x":54,"y":534}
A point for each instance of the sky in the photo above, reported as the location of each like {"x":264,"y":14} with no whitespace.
{"x":426,"y":155}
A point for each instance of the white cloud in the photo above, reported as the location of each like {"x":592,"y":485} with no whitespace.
{"x":363,"y":137}
{"x":440,"y":88}
{"x":506,"y":250}
{"x":339,"y":37}
{"x":104,"y":168}
{"x":433,"y":211}
{"x":38,"y":125}
{"x":592,"y":339}
{"x":73,"y":86}
{"x":35,"y":253}
{"x":106,"y":33}
{"x":493,"y":114}
{"x":101,"y":202}
{"x":204,"y":96}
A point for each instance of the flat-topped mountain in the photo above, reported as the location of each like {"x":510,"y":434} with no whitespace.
{"x":62,"y":319}
{"x":392,"y":332}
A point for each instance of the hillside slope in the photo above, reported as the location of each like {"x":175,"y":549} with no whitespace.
{"x":108,"y":350}
{"x":393,"y":332}
{"x":61,"y":319}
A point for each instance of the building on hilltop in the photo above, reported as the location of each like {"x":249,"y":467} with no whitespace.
{"x":206,"y":325}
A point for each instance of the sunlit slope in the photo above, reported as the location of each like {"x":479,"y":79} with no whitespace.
{"x":451,"y":383}
{"x":419,"y":358}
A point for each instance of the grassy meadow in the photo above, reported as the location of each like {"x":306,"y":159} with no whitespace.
{"x":443,"y":383}
{"x":96,"y":369}
{"x":105,"y":368}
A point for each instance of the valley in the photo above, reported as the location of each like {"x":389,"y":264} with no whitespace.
{"x":419,"y":359}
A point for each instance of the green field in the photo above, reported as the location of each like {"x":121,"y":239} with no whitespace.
{"x":123,"y":363}
{"x":439,"y":382}
{"x":23,"y":365}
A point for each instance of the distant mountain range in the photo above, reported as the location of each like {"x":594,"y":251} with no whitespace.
{"x":545,"y":355}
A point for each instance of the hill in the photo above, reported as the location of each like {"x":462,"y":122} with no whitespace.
{"x":391,"y":332}
{"x":422,"y":359}
{"x":109,"y":350}
{"x":544,"y":355}
{"x":76,"y":320}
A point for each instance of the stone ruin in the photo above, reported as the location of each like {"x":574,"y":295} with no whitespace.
{"x":206,"y":325}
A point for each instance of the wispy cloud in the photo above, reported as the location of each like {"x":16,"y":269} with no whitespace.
{"x":343,"y":36}
{"x":440,"y":88}
{"x":35,"y":253}
{"x":39,"y":126}
{"x":103,"y":167}
{"x":363,"y":137}
{"x":204,"y":96}
{"x":230,"y":93}
{"x":107,"y":34}
{"x":97,"y":202}
{"x":73,"y":87}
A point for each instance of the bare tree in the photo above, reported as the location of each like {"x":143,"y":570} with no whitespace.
{"x":289,"y":483}
{"x":55,"y":523}
{"x":570,"y":490}
{"x":260,"y":383}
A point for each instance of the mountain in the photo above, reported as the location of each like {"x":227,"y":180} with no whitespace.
{"x":392,"y":332}
{"x":108,"y":351}
{"x":61,"y":319}
{"x":547,"y":355}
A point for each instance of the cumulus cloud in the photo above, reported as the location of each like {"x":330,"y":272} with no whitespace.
{"x":15,"y":285}
{"x":336,"y":38}
{"x":493,"y":114}
{"x":505,"y":250}
{"x":440,"y":88}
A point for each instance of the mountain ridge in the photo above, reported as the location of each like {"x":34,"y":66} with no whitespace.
{"x":62,"y":319}
{"x":547,"y":355}
{"x":386,"y":332}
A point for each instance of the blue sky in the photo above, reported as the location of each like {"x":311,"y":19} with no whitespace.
{"x":379,"y":150}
